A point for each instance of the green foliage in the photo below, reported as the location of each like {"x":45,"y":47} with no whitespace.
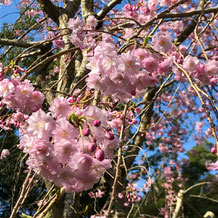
{"x":198,"y":156}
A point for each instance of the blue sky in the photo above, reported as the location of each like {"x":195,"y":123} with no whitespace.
{"x":8,"y":14}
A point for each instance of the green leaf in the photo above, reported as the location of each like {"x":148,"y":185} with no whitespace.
{"x":176,"y":42}
{"x":12,"y":63}
{"x":145,"y":42}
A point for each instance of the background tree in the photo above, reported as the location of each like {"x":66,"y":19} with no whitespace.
{"x":152,"y":66}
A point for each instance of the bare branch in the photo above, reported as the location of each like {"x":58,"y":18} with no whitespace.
{"x":101,"y":14}
{"x":179,"y":203}
{"x":50,"y":9}
{"x":46,"y":61}
{"x":72,"y":7}
{"x":21,"y":43}
{"x":206,"y":198}
{"x":190,"y":13}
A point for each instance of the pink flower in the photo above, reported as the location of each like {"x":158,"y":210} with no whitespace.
{"x":128,"y":63}
{"x":150,"y":64}
{"x":91,"y":22}
{"x":59,"y":43}
{"x":41,"y":124}
{"x":83,"y":162}
{"x":165,"y":3}
{"x":120,"y":195}
{"x":162,"y":42}
{"x":60,"y":108}
{"x":199,"y":125}
{"x":213,"y":166}
{"x":99,"y":193}
{"x":75,"y":24}
{"x":64,"y":131}
{"x":6,"y":88}
{"x":190,"y":63}
{"x":63,"y":151}
{"x":4,"y":153}
{"x":211,"y":67}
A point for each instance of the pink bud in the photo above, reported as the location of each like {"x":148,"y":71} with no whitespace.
{"x":133,"y":92}
{"x":137,"y":110}
{"x":120,"y":195}
{"x":126,"y":204}
{"x":109,"y":135}
{"x":213,"y":81}
{"x":96,"y":123}
{"x":86,"y":131}
{"x":16,"y":71}
{"x":21,"y":69}
{"x":179,"y":61}
{"x":92,"y":147}
{"x":99,"y":155}
{"x":213,"y":149}
{"x":134,"y":121}
{"x":70,"y":100}
{"x":139,"y":198}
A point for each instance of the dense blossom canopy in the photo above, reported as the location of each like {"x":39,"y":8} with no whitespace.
{"x":105,"y":95}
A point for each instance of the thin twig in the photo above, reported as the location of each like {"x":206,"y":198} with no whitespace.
{"x":118,"y":163}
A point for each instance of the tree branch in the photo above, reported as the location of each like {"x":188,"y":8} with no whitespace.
{"x":21,"y":43}
{"x":101,"y":14}
{"x":72,"y":7}
{"x":190,"y":13}
{"x":86,"y":8}
{"x":50,"y":9}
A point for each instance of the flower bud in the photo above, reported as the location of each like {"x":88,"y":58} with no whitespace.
{"x":96,"y":123}
{"x":120,"y":195}
{"x":86,"y":131}
{"x":213,"y":149}
{"x":109,"y":135}
{"x":99,"y":155}
{"x":134,"y":121}
{"x":16,"y":71}
{"x":92,"y":147}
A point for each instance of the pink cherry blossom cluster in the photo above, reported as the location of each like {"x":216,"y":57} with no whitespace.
{"x":4,"y":153}
{"x":131,"y":195}
{"x":212,"y":166}
{"x":58,"y":42}
{"x":78,"y":36}
{"x":205,"y":73}
{"x":73,"y":148}
{"x":20,"y":95}
{"x":121,"y":76}
{"x":6,"y":2}
{"x":16,"y":119}
{"x":117,"y":119}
